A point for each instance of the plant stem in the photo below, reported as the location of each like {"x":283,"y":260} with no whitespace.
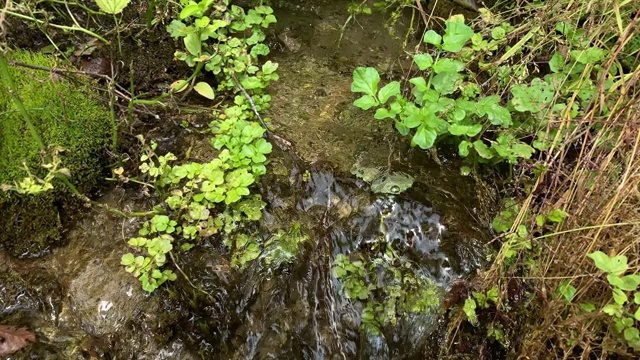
{"x":11,"y":87}
{"x":68,"y":28}
{"x":115,"y":19}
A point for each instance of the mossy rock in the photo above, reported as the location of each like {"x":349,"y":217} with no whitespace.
{"x":65,"y":116}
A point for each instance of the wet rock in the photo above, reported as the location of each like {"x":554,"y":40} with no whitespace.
{"x":291,"y":43}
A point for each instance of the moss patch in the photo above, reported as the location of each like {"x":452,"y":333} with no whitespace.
{"x":65,"y":116}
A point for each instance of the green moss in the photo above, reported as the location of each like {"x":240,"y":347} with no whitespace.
{"x":65,"y":116}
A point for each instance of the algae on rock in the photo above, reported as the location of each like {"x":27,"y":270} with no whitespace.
{"x":64,"y":116}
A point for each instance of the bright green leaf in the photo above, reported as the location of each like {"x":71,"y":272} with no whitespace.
{"x":424,"y":137}
{"x":205,"y":90}
{"x":433,"y":38}
{"x":365,"y":80}
{"x":616,"y":265}
{"x":366,"y":102}
{"x":112,"y":6}
{"x":192,"y":43}
{"x":424,"y":61}
{"x":389,"y":90}
{"x":457,"y":33}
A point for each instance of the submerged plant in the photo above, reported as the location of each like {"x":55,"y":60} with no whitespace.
{"x":387,"y":286}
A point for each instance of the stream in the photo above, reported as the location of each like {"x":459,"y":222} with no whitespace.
{"x":342,"y":189}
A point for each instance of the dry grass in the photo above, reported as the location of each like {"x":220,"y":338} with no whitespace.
{"x":594,"y":176}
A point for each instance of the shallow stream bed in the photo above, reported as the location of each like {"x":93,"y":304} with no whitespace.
{"x":343,"y":187}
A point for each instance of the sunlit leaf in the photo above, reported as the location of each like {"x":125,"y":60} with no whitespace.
{"x":112,"y":6}
{"x":205,"y":90}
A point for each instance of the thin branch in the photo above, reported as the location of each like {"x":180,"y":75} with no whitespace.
{"x":253,"y":105}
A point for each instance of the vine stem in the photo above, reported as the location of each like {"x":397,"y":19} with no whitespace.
{"x":253,"y":104}
{"x":69,"y":28}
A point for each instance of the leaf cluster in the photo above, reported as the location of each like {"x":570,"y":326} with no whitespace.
{"x":223,"y":39}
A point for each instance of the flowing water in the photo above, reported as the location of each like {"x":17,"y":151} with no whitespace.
{"x":82,"y":305}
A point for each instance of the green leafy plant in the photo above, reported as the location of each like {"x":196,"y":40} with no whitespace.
{"x":625,"y":296}
{"x":202,"y":200}
{"x":386,"y":289}
{"x":447,"y":103}
{"x":226,"y":41}
{"x":114,"y":7}
{"x":479,"y":300}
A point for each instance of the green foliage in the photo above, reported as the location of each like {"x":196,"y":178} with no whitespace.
{"x":205,"y":199}
{"x":224,"y":39}
{"x":386,"y":288}
{"x":479,"y":300}
{"x":202,"y":200}
{"x":112,"y":6}
{"x":625,"y":312}
{"x":445,"y":102}
{"x":65,"y":117}
{"x":73,"y":127}
{"x":283,"y":246}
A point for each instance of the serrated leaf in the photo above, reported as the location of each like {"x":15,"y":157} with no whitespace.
{"x":112,"y":6}
{"x":205,"y":90}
